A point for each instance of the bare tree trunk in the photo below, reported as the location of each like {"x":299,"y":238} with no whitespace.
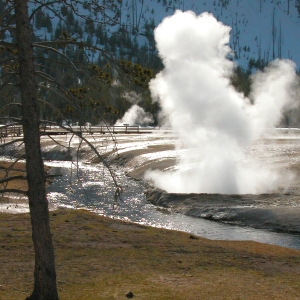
{"x":44,"y":272}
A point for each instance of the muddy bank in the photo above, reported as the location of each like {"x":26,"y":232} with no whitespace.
{"x":275,"y":212}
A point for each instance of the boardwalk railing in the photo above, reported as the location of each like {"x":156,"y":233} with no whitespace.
{"x":55,"y":130}
{"x":6,"y":131}
{"x":15,"y":131}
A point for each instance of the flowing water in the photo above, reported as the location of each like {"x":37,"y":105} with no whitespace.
{"x":89,"y":187}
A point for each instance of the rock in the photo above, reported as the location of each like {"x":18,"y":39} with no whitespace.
{"x":154,"y":195}
{"x":129,"y":295}
{"x":276,"y":212}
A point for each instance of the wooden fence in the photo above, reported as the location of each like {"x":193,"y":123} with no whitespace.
{"x":15,"y":131}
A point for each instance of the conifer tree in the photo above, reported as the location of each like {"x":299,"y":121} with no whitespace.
{"x":59,"y":75}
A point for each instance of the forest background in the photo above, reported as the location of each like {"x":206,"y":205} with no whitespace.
{"x":129,"y":40}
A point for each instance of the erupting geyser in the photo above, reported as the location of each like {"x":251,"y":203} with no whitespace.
{"x":215,"y":123}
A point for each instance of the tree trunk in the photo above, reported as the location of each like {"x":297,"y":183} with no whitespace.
{"x":44,"y":272}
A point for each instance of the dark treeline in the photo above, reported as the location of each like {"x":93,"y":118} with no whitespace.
{"x":127,"y":60}
{"x":130,"y":42}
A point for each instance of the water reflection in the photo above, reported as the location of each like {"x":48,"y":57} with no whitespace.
{"x":89,"y":187}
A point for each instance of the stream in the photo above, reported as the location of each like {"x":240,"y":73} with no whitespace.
{"x":89,"y":187}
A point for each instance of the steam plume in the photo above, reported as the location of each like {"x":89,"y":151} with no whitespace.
{"x":135,"y":115}
{"x":213,"y":121}
{"x":132,"y":97}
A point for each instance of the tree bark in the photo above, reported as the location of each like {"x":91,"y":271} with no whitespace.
{"x":44,"y":273}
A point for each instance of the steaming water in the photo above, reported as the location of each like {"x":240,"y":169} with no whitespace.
{"x":211,"y":118}
{"x":91,"y":189}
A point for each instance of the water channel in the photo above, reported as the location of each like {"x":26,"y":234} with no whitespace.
{"x":89,"y":187}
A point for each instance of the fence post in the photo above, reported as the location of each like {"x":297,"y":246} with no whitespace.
{"x":126,"y":125}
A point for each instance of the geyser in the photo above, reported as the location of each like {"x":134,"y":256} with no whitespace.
{"x":215,"y":124}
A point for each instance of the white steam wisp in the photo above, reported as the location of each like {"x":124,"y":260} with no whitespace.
{"x":135,"y":115}
{"x":215,"y":124}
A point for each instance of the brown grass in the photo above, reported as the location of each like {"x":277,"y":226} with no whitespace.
{"x":8,"y":169}
{"x":11,"y":169}
{"x":101,"y":258}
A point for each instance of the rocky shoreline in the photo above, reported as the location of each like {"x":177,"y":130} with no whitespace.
{"x":275,"y":212}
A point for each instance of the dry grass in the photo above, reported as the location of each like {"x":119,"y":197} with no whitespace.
{"x":100,"y":258}
{"x":8,"y":169}
{"x":11,"y":169}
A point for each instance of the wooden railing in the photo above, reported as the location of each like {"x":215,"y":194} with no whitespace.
{"x":15,"y":131}
{"x":6,"y":131}
{"x":54,"y":130}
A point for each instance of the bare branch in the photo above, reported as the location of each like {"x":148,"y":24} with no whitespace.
{"x":19,"y":105}
{"x":8,"y":45}
{"x":54,"y":61}
{"x":13,"y":178}
{"x":49,"y":8}
{"x":7,"y":11}
{"x":82,"y":138}
{"x":46,"y":4}
{"x":102,"y":160}
{"x":7,"y":60}
{"x":8,"y":81}
{"x":11,"y":142}
{"x":17,"y":121}
{"x":79,"y":44}
{"x":95,"y":7}
{"x":56,"y":142}
{"x":56,"y":51}
{"x":16,"y":191}
{"x":49,"y":104}
{"x":62,"y":87}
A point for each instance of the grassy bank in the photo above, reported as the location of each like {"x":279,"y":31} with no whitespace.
{"x":17,"y":169}
{"x":101,"y":258}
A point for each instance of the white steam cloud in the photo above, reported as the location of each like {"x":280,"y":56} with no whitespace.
{"x":214,"y":122}
{"x":132,"y":97}
{"x":135,"y":115}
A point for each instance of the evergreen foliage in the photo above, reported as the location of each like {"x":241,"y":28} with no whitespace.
{"x":91,"y":46}
{"x":117,"y":41}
